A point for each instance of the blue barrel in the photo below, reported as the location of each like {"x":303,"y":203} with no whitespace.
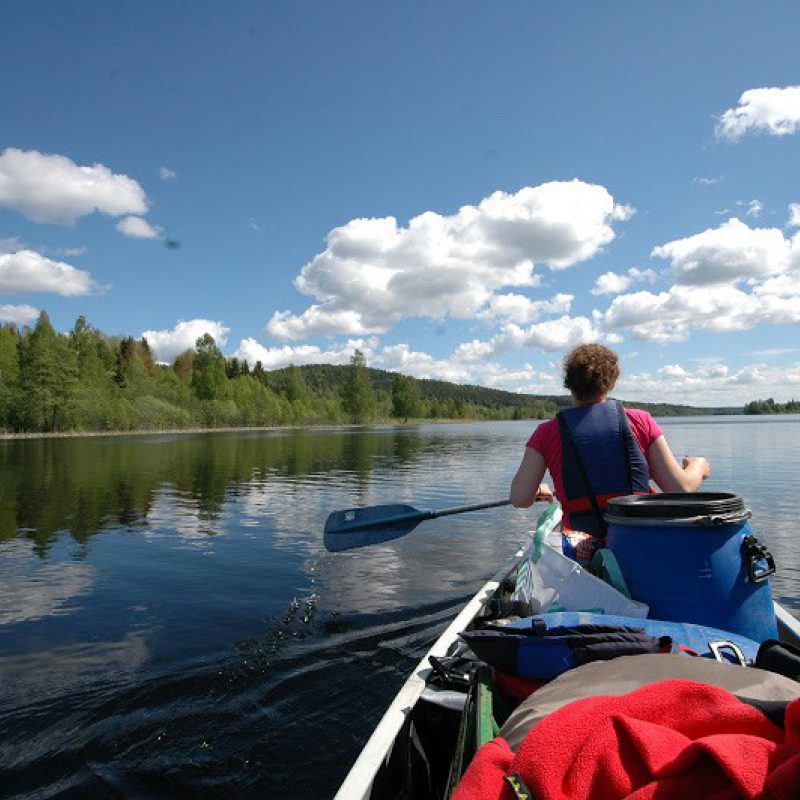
{"x":694,"y":558}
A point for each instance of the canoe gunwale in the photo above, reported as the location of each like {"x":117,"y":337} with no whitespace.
{"x":358,"y":783}
{"x":376,"y":752}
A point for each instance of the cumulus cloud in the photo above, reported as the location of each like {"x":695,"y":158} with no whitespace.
{"x":374,"y":273}
{"x":731,"y":252}
{"x":19,"y":315}
{"x":521,"y":309}
{"x":794,"y":215}
{"x":773,"y":110}
{"x":276,"y":357}
{"x":167,"y":174}
{"x":550,"y":335}
{"x":53,"y":188}
{"x":712,"y":384}
{"x":670,"y":316}
{"x":169,"y":344}
{"x":29,"y":271}
{"x":138,"y":228}
{"x":614,"y":283}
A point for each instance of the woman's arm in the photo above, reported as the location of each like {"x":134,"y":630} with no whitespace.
{"x":527,"y":488}
{"x":672,"y":476}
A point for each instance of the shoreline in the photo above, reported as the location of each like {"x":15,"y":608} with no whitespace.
{"x":9,"y":436}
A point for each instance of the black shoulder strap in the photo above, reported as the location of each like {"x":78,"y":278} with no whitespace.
{"x":568,"y":441}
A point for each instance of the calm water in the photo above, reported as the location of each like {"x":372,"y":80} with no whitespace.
{"x":171,"y":626}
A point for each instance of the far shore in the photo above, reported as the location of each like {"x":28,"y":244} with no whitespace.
{"x":7,"y":436}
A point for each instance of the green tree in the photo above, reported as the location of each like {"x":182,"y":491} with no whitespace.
{"x":9,"y":375}
{"x":296,"y":388}
{"x":359,"y":397}
{"x":406,"y":400}
{"x":208,"y":371}
{"x":48,"y":375}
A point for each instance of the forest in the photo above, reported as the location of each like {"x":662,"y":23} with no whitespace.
{"x":84,"y":380}
{"x":769,"y":406}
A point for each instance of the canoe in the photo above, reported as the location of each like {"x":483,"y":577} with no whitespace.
{"x":389,"y":764}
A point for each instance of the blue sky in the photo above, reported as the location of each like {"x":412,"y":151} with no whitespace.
{"x":463,"y":190}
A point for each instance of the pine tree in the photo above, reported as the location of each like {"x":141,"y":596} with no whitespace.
{"x":48,"y":374}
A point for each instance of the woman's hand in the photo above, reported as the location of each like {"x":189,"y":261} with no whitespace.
{"x":698,"y":465}
{"x":544,"y":494}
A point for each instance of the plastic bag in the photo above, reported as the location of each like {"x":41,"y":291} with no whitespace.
{"x":550,"y":581}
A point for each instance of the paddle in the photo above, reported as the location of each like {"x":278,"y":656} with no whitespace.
{"x":360,"y":527}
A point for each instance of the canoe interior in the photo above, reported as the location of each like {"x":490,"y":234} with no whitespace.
{"x":414,"y":753}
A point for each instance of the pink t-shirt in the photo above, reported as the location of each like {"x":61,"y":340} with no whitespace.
{"x":546,"y":440}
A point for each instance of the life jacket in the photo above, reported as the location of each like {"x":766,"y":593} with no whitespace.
{"x":600,"y":460}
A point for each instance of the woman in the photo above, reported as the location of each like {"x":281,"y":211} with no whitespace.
{"x":597,"y":450}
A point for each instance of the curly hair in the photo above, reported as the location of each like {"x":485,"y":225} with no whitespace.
{"x":590,"y":371}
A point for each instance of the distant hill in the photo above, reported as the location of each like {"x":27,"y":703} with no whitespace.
{"x":323,"y":378}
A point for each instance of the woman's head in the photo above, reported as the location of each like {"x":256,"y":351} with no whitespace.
{"x":590,"y":371}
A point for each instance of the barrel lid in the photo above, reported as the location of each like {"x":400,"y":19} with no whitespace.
{"x":676,"y":505}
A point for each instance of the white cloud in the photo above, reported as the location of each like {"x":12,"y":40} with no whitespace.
{"x":167,"y":174}
{"x":521,"y":309}
{"x":138,"y":228}
{"x":29,"y":271}
{"x":731,"y":252}
{"x":169,"y":344}
{"x":754,"y":208}
{"x":19,"y":315}
{"x":794,"y":215}
{"x":277,"y":357}
{"x":285,"y":325}
{"x":53,"y":188}
{"x":670,"y":316}
{"x":702,"y":181}
{"x":374,"y":273}
{"x":711,"y":385}
{"x":773,"y":110}
{"x":551,"y":335}
{"x":614,"y":283}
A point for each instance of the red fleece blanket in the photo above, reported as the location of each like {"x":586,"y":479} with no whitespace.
{"x":669,"y":740}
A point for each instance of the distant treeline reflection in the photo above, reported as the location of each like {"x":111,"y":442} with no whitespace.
{"x":83,"y":486}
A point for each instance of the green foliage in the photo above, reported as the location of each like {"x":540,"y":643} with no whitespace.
{"x":358,"y":399}
{"x":769,"y":406}
{"x":208,"y":370}
{"x":48,"y":375}
{"x":406,"y":399}
{"x":87,"y":381}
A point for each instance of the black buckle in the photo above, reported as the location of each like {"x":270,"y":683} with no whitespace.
{"x":756,"y":552}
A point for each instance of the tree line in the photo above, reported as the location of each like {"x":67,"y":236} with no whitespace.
{"x":769,"y":406}
{"x":84,"y":380}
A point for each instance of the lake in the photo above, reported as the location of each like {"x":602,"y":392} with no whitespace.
{"x":171,"y":625}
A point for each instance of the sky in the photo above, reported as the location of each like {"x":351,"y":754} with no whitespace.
{"x":461,"y":190}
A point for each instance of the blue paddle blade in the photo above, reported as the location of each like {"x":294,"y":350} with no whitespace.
{"x":360,"y":527}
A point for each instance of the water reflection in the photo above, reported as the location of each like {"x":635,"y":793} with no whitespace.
{"x":171,"y":624}
{"x":84,"y":486}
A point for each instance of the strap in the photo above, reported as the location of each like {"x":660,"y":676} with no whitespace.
{"x":624,"y":434}
{"x":581,"y":505}
{"x":606,"y":566}
{"x":566,"y":436}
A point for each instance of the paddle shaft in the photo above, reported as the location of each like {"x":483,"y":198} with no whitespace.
{"x":415,"y":517}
